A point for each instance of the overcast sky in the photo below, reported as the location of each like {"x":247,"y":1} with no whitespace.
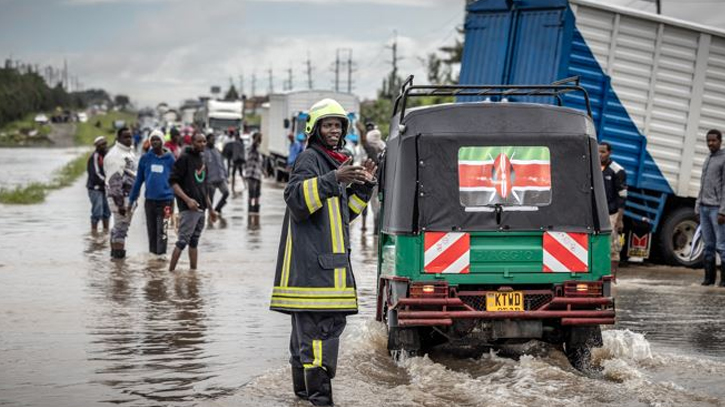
{"x":170,"y":50}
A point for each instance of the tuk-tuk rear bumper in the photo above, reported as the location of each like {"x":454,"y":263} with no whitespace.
{"x":443,"y":311}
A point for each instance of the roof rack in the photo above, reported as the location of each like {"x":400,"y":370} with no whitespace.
{"x":555,"y":89}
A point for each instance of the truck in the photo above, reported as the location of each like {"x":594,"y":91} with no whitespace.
{"x":656,"y":84}
{"x":286,"y":115}
{"x":220,"y":115}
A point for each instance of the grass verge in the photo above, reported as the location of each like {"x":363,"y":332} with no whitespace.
{"x":35,"y":192}
{"x":24,"y":132}
{"x":101,"y":125}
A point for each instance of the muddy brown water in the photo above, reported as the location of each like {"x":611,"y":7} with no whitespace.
{"x":79,"y":330}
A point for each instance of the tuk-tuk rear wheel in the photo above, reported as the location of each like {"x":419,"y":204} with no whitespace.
{"x":579,"y":344}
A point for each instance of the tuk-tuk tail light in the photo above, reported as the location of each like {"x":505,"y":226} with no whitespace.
{"x":583,"y":289}
{"x":427,"y":289}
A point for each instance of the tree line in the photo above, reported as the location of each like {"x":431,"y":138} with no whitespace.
{"x":23,"y":93}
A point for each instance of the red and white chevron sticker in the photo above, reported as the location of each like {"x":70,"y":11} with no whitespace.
{"x":566,"y":252}
{"x":448,"y":253}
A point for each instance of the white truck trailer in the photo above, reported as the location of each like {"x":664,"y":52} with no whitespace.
{"x":656,"y":84}
{"x":220,"y":115}
{"x":287,"y":114}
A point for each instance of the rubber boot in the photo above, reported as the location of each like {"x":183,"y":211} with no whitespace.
{"x":319,"y":387}
{"x":722,"y":276}
{"x":709,"y":272}
{"x":298,"y":382}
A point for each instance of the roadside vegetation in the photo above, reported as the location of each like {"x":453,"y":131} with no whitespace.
{"x":101,"y":125}
{"x":24,"y":132}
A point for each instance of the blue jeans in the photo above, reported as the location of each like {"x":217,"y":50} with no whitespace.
{"x":99,"y":205}
{"x":713,"y":235}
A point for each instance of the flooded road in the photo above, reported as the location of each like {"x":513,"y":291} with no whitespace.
{"x":21,"y":166}
{"x":79,"y":330}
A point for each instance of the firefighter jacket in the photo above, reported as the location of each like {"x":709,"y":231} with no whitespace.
{"x":313,"y":264}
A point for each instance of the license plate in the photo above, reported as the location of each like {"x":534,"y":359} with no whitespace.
{"x":505,"y":301}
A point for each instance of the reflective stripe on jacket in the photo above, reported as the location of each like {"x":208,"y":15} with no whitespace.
{"x":313,"y":264}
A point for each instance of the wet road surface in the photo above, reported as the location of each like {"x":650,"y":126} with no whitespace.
{"x":79,"y":330}
{"x":22,"y":165}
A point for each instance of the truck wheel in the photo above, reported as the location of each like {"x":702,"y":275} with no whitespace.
{"x":578,"y":346}
{"x":675,"y":239}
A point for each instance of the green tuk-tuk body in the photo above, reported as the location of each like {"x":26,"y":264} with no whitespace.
{"x":495,"y":222}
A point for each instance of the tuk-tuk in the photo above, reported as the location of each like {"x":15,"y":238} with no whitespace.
{"x":494,"y":221}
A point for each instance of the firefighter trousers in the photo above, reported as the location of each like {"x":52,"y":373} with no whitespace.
{"x":315,"y":340}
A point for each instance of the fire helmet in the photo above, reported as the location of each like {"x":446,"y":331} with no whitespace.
{"x":323,"y":109}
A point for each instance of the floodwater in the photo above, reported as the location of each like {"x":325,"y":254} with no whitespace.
{"x":79,"y":330}
{"x":20,"y":166}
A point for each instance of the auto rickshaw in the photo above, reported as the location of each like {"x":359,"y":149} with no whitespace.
{"x":494,"y":224}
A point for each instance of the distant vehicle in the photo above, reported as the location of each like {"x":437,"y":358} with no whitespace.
{"x":41,"y":119}
{"x":82,"y":117}
{"x":220,"y":115}
{"x":286,"y":114}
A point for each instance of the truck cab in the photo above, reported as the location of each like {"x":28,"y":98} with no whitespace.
{"x":494,"y":224}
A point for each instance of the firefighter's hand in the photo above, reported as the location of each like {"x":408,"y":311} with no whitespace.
{"x":348,"y":174}
{"x":370,"y":170}
{"x":192,"y":204}
{"x":720,"y":219}
{"x":212,"y":215}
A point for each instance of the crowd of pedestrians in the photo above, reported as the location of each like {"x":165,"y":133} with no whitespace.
{"x":179,"y":182}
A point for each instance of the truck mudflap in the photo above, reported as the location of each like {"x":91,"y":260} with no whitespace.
{"x":572,"y":303}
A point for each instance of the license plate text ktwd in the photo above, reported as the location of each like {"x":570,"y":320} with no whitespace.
{"x":505,"y":301}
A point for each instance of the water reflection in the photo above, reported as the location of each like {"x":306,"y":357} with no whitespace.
{"x":150,"y":332}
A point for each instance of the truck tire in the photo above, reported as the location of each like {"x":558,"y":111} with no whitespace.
{"x":578,"y":346}
{"x":675,"y":239}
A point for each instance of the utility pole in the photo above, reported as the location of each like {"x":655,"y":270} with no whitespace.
{"x":290,"y":78}
{"x":337,"y":70}
{"x":254,"y":82}
{"x":65,"y":74}
{"x":309,"y":71}
{"x":350,"y":69}
{"x":393,"y":81}
{"x":241,"y":85}
{"x":271,"y":81}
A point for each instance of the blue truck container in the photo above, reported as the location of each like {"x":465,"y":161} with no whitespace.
{"x":656,"y":85}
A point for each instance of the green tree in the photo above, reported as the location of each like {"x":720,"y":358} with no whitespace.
{"x":122,"y":101}
{"x":231,"y":94}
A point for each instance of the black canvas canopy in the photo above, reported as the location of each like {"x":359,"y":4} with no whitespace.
{"x":421,"y":170}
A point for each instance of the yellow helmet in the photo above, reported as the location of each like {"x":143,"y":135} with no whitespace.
{"x":323,"y":109}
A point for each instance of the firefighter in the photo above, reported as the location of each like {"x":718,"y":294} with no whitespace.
{"x":314,"y":282}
